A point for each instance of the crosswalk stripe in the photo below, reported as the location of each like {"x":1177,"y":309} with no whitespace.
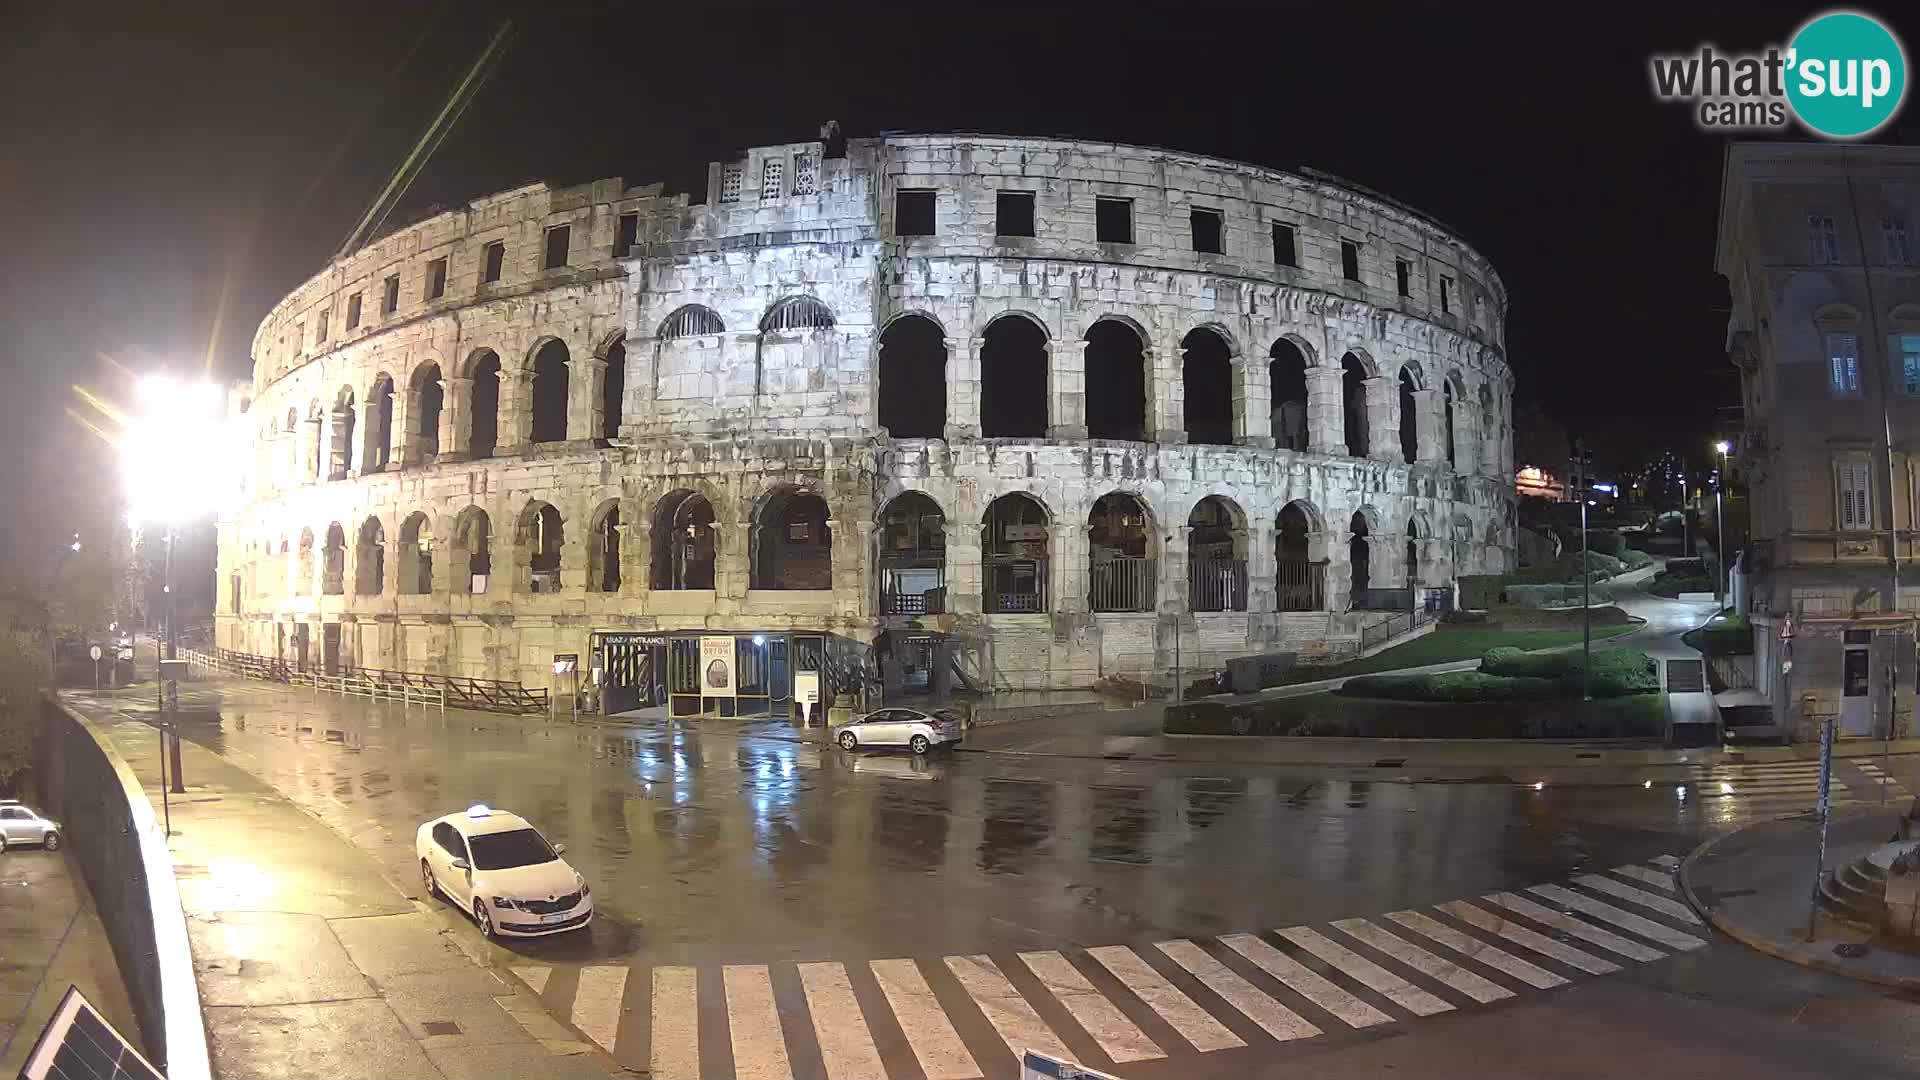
{"x":1606,"y":939}
{"x":1670,"y":908}
{"x":846,"y":1047}
{"x":675,"y":1054}
{"x":1190,"y":1021}
{"x":1651,"y":877}
{"x":753,"y":1023}
{"x":1274,"y":1018}
{"x":935,"y":1044}
{"x":1520,"y":935}
{"x":534,"y":975}
{"x":1010,"y":1014}
{"x":1118,"y":1037}
{"x":596,"y":1004}
{"x":1667,"y":861}
{"x":1625,"y":920}
{"x":1305,"y":982}
{"x":1366,"y":972}
{"x":1473,"y":948}
{"x":1480,"y":989}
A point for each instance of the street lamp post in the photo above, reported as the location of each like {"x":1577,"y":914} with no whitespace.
{"x":1720,"y":572}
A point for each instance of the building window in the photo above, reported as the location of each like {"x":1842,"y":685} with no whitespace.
{"x":390,"y":301}
{"x":496,"y":261}
{"x":1893,"y":231}
{"x":806,"y":174}
{"x":1350,"y":260}
{"x":1823,"y":241}
{"x":628,"y":236}
{"x":1284,"y":251}
{"x":730,"y":181}
{"x":437,"y":278}
{"x":772,"y":176}
{"x":353,"y":312}
{"x":1843,"y":365}
{"x":320,"y":328}
{"x":1206,"y":231}
{"x":1446,"y":295}
{"x":1013,"y":213}
{"x":1113,"y":220}
{"x":913,"y":213}
{"x":559,"y":239}
{"x":1910,"y":363}
{"x":300,"y":336}
{"x":1855,"y":484}
{"x":1403,"y":276}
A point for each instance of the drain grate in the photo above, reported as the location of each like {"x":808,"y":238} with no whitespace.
{"x":1587,"y":754}
{"x":1389,"y":763}
{"x":1851,"y":950}
{"x":440,"y":1027}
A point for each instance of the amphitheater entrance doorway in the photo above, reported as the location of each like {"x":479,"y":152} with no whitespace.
{"x":330,"y":648}
{"x":633,"y":673}
{"x":300,"y":646}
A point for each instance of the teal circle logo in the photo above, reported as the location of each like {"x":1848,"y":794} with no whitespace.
{"x":1848,"y":75}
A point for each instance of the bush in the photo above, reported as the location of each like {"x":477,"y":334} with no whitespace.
{"x":1480,"y":590}
{"x":1639,"y":716}
{"x":1614,"y":671}
{"x":1669,"y":584}
{"x":1635,"y":559}
{"x":1450,"y":686}
{"x":1606,"y":542}
{"x":1540,"y":596}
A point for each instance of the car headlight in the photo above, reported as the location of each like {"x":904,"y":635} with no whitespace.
{"x":501,"y":901}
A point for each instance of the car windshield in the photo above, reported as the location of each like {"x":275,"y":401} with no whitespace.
{"x":506,"y":850}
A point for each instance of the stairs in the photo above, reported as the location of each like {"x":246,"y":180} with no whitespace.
{"x":1857,"y":893}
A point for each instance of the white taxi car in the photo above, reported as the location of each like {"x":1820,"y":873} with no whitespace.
{"x":497,"y":866}
{"x":917,"y":731}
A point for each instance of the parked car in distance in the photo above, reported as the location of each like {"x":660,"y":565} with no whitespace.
{"x":500,"y":869}
{"x":914,"y":729}
{"x":20,"y":825}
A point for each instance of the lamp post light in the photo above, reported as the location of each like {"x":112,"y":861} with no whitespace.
{"x":1720,"y":578}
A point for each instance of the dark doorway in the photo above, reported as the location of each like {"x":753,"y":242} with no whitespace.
{"x":613,"y":390}
{"x":550,"y":393}
{"x":913,"y":378}
{"x":683,"y":540}
{"x":1116,"y":382}
{"x":1353,"y":396}
{"x":1207,"y":376}
{"x":1359,"y":553}
{"x":1013,"y":380}
{"x":793,"y":546}
{"x":486,"y":405}
{"x":1409,"y":419}
{"x":1287,"y":387}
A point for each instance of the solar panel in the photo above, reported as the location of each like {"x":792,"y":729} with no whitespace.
{"x":79,"y":1044}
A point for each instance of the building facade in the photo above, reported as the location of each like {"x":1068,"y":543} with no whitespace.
{"x":1817,"y":246}
{"x":1024,"y":413}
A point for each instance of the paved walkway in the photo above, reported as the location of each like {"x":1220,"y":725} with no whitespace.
{"x":310,"y":961}
{"x":51,"y":938}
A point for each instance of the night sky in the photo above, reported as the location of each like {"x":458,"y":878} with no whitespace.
{"x":167,"y":163}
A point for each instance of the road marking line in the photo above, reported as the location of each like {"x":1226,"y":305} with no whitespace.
{"x":1367,"y":973}
{"x":1651,"y":877}
{"x":1305,"y":981}
{"x":1506,"y":928}
{"x":846,"y":1046}
{"x":675,"y":1054}
{"x":1625,"y":920}
{"x":596,"y":1004}
{"x":1020,"y":1027}
{"x":1606,"y":939}
{"x":753,"y":1023}
{"x":535,"y":976}
{"x":936,"y":1045}
{"x":1190,"y":1021}
{"x":1667,"y":861}
{"x":1480,"y":989}
{"x":1672,"y":909}
{"x":1118,"y":1037}
{"x":1473,"y":948}
{"x":1274,"y":1018}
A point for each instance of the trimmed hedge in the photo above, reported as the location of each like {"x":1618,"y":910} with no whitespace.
{"x":1635,"y":559}
{"x":1479,"y":591}
{"x":1669,"y":584}
{"x":1450,"y":686}
{"x":1614,"y":672}
{"x":1639,"y":716}
{"x":1539,"y":596}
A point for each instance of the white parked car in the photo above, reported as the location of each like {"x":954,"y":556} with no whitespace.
{"x":497,"y":866}
{"x":19,"y":825}
{"x":895,"y":726}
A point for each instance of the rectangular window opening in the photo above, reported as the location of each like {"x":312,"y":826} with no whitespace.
{"x":321,"y":329}
{"x":1403,"y":276}
{"x":629,"y":235}
{"x":559,"y":239}
{"x":1113,"y":220}
{"x":1855,"y":482}
{"x":1893,"y":231}
{"x":1843,"y":364}
{"x":1206,"y":231}
{"x":1446,"y":295}
{"x":496,"y":261}
{"x":913,"y":213}
{"x":1823,"y":240}
{"x":1910,"y":363}
{"x":1013,"y":213}
{"x":437,"y":278}
{"x":1284,"y":251}
{"x":353,"y":312}
{"x":772,"y":178}
{"x":1350,"y":260}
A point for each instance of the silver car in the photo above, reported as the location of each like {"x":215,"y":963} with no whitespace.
{"x":19,"y":825}
{"x":895,"y":726}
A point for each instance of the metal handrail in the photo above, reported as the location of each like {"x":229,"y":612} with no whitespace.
{"x":407,"y":687}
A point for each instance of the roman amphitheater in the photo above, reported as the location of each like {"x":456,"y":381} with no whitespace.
{"x":894,"y":415}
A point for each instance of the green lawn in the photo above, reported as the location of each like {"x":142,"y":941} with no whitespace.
{"x":1442,"y":646}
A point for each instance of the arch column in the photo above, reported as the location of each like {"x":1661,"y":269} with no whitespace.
{"x":1252,"y":404}
{"x":1067,"y":547}
{"x":965,"y":570}
{"x":1175,"y":571}
{"x":1167,"y":395}
{"x":1383,"y":419}
{"x":731,"y":549}
{"x":963,"y":388}
{"x":1429,"y":425}
{"x":441,"y":579}
{"x":586,"y":379}
{"x":638,"y":392}
{"x":515,"y":428}
{"x":315,"y":447}
{"x":1326,"y":412}
{"x":1067,"y":390}
{"x":1263,"y":564}
{"x":636,"y":552}
{"x":1466,"y":437}
{"x":456,"y":418}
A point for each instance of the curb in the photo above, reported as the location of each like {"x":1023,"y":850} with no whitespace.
{"x":1765,"y":946}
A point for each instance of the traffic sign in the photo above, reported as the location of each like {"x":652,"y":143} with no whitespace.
{"x":95,"y":652}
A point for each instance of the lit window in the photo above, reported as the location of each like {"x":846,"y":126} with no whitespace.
{"x":1893,"y":231}
{"x":1823,"y":241}
{"x":1910,"y":363}
{"x":1855,"y":482}
{"x":1843,"y":364}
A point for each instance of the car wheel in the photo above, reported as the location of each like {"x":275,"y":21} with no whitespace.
{"x":426,"y":880}
{"x":848,"y":740}
{"x":485,"y":920}
{"x":919,"y":744}
{"x":52,"y":841}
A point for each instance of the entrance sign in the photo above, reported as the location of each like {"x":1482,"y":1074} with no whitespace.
{"x":716,"y":666}
{"x":566,"y":663}
{"x":1037,"y":1066}
{"x":806,"y":694}
{"x":95,"y":652}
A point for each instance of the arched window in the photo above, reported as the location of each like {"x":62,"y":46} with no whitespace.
{"x":550,"y":393}
{"x":913,"y":378}
{"x":793,"y":546}
{"x":484,"y":431}
{"x":303,"y":568}
{"x":541,"y":538}
{"x":427,"y":400}
{"x":416,"y":556}
{"x":691,"y":321}
{"x":1013,"y":379}
{"x":1116,"y":382}
{"x":1287,"y":385}
{"x":797,"y":313}
{"x":603,"y":551}
{"x":1120,"y":554}
{"x":1206,"y":376}
{"x":913,"y":556}
{"x":1409,"y":419}
{"x":472,"y":551}
{"x":1489,"y":432}
{"x":1301,"y":580}
{"x":342,"y":456}
{"x":1360,"y":555}
{"x":1353,"y":395}
{"x":370,"y":559}
{"x":379,"y":425}
{"x":1216,"y":556}
{"x":683,"y":539}
{"x":613,"y":390}
{"x":1453,"y":447}
{"x":333,"y":570}
{"x":1014,"y":556}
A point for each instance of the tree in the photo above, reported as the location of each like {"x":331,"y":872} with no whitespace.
{"x":23,"y":678}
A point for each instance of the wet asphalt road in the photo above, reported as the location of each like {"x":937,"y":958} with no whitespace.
{"x":708,"y":849}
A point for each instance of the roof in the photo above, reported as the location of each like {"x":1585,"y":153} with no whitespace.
{"x":495,"y":821}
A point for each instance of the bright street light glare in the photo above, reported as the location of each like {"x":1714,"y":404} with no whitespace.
{"x":173,"y":455}
{"x":1723,"y":446}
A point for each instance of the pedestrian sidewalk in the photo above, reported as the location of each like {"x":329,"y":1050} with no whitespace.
{"x":51,"y":938}
{"x":311,"y":962}
{"x":1756,"y":886}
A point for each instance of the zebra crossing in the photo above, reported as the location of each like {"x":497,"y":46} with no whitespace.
{"x":968,"y":1017}
{"x":1758,"y":790}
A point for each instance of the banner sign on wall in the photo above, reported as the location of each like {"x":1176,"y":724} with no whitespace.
{"x":716,"y":666}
